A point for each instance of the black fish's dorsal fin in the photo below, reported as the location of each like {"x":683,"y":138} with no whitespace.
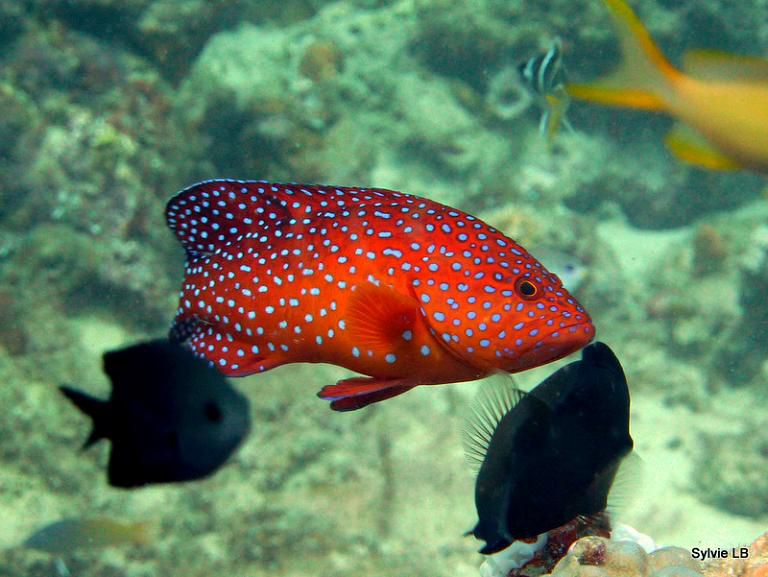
{"x":497,"y":396}
{"x":94,"y":408}
{"x":600,"y":354}
{"x":209,"y":215}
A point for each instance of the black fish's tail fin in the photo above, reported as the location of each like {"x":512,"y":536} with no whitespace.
{"x":95,"y":408}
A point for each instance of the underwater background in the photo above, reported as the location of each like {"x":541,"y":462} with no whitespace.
{"x":108,"y":108}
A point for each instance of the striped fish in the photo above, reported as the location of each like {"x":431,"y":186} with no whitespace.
{"x":544,"y":77}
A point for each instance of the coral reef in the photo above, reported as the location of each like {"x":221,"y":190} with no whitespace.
{"x":600,"y":557}
{"x":729,"y":470}
{"x":522,"y":559}
{"x":91,"y":174}
{"x":754,"y":564}
{"x":745,"y":344}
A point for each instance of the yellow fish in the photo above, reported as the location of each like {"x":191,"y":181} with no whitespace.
{"x":721,"y":100}
{"x":75,"y":533}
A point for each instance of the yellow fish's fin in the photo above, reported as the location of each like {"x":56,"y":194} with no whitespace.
{"x":689,"y":146}
{"x":557,"y":104}
{"x":624,"y":98}
{"x":644,"y":77}
{"x":380,"y":318}
{"x":144,"y":532}
{"x":725,"y":67}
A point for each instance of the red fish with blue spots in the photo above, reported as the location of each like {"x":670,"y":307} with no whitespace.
{"x":397,"y":287}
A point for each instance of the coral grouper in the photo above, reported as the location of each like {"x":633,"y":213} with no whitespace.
{"x":400,"y":288}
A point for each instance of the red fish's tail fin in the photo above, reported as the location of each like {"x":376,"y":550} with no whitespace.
{"x":644,"y":79}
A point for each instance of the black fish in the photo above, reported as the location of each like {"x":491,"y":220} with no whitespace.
{"x":171,"y":416}
{"x":549,"y":456}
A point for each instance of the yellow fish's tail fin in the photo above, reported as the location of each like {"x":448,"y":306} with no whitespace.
{"x":144,"y":532}
{"x":117,"y":532}
{"x":689,"y":146}
{"x":644,"y":77}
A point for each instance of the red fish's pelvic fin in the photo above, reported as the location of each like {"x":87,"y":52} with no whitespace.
{"x":358,"y":392}
{"x":644,"y":77}
{"x":209,"y":215}
{"x":380,"y":318}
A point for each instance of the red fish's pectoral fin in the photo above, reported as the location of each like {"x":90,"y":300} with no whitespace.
{"x":224,"y":351}
{"x":359,"y":392}
{"x":380,"y":318}
{"x":689,"y":146}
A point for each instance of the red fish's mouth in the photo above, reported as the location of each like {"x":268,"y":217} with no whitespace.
{"x":552,"y":346}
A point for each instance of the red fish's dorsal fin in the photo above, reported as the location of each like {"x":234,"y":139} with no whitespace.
{"x":209,"y":215}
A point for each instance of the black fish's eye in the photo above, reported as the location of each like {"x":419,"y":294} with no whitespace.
{"x":212,"y":412}
{"x":526,"y":289}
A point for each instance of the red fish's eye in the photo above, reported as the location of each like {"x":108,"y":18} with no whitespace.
{"x":526,"y":289}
